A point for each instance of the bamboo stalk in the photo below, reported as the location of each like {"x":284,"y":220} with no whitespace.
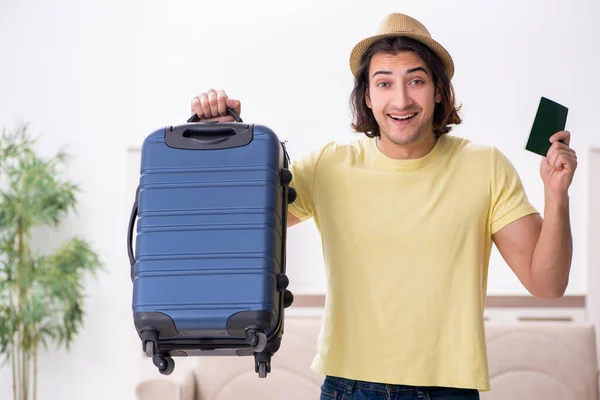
{"x":26,"y":338}
{"x":26,"y":382}
{"x":25,"y":379}
{"x":28,"y":358}
{"x":21,"y":376}
{"x":24,"y":365}
{"x":35,"y":364}
{"x":14,"y":369}
{"x":19,"y":358}
{"x":27,"y":371}
{"x":20,"y":330}
{"x":12,"y":349}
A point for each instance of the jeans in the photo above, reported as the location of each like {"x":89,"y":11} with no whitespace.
{"x":345,"y":389}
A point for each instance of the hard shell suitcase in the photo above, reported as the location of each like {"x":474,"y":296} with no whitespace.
{"x":208,"y":269}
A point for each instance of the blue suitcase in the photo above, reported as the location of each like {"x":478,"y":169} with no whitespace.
{"x":208,"y":269}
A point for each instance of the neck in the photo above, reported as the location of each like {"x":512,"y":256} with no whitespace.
{"x":418,"y":149}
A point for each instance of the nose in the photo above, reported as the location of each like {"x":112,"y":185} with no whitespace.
{"x":402,"y":98}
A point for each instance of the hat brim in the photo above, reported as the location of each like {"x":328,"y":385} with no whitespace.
{"x":361,"y":47}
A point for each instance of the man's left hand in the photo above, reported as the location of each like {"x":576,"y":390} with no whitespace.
{"x":558,"y":167}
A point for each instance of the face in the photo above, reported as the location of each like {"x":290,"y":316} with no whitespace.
{"x":402,"y":97}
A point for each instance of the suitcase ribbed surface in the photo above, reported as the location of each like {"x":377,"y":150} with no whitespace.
{"x":209,"y":232}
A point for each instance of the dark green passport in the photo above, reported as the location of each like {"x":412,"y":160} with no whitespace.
{"x":550,"y":118}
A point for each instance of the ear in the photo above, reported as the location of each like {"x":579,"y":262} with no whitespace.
{"x":367,"y":98}
{"x":438,"y":95}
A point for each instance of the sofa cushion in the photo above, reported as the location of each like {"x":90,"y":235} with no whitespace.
{"x":182,"y":388}
{"x":229,"y":378}
{"x":550,"y":361}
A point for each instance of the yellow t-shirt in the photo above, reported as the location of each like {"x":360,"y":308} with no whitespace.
{"x":406,"y":246}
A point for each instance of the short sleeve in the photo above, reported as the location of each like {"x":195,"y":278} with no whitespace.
{"x":303,"y":171}
{"x":509,"y":201}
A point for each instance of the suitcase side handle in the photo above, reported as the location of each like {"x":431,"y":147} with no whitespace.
{"x":132,"y":218}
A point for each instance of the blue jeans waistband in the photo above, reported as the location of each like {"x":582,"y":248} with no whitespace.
{"x":371,"y":386}
{"x":350,"y":385}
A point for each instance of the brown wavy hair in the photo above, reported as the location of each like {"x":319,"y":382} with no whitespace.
{"x":445,"y":112}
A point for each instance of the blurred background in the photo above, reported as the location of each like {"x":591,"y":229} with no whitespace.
{"x":97,"y":77}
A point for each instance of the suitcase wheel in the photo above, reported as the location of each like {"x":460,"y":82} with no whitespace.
{"x":262,"y":370}
{"x":149,"y":342}
{"x":262,"y":364}
{"x":286,"y":177}
{"x":288,"y":298}
{"x":282,"y":282}
{"x":165,"y":364}
{"x":257,"y":339}
{"x":291,"y":195}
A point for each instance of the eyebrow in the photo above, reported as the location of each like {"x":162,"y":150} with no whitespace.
{"x":408,"y":71}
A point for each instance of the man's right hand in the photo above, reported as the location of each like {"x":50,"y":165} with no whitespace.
{"x":211,"y":106}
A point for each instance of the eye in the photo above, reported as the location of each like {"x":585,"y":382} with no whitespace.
{"x":417,"y":82}
{"x":383,"y":84}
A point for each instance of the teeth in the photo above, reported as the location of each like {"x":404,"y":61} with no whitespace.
{"x":402,"y":117}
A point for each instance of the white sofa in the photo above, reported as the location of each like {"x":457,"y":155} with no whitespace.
{"x":549,"y":361}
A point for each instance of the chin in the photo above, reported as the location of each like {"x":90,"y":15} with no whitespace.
{"x":404,"y":138}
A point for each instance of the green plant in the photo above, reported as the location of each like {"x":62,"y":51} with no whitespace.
{"x":41,"y":295}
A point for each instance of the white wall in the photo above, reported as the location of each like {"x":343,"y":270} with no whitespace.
{"x":593,"y":284}
{"x":99,"y":76}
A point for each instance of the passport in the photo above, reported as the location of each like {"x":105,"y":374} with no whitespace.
{"x":550,"y":118}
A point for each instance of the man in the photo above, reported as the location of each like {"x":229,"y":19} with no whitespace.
{"x":408,"y":215}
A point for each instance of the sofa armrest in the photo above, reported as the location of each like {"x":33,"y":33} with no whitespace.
{"x":168,"y":389}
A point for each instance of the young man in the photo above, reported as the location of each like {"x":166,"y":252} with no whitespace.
{"x":408,"y":215}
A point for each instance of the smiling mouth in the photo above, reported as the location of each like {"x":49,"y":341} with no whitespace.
{"x":403,"y":117}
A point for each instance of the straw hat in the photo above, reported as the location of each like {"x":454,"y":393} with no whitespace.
{"x":395,"y":25}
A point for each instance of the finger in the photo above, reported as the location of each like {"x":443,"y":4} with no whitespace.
{"x":559,"y":146}
{"x":235,"y":105}
{"x":222,"y":102}
{"x":555,"y":151}
{"x":565,"y":162}
{"x":197,"y":106}
{"x":570,"y":157}
{"x":561,"y":136}
{"x":552,"y":157}
{"x":212,"y":102}
{"x":557,"y":158}
{"x":204,"y":102}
